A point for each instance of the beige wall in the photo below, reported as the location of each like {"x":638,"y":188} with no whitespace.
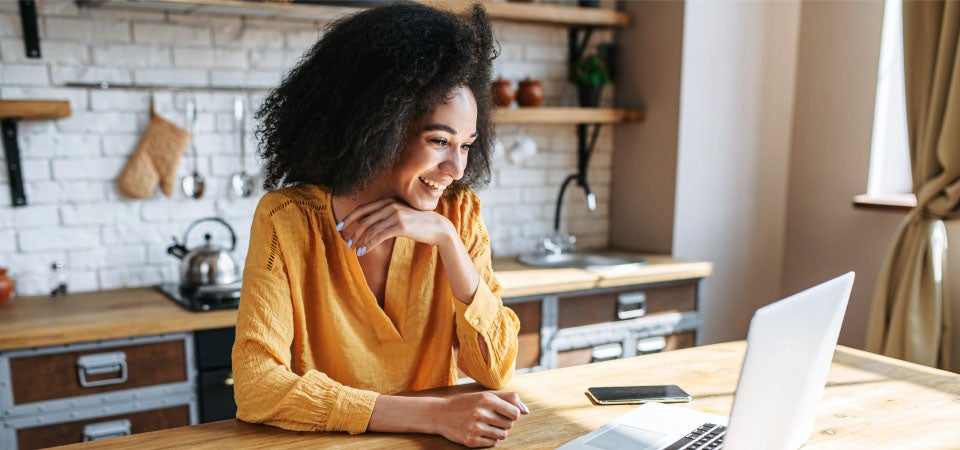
{"x":735,"y":119}
{"x":645,"y":161}
{"x":836,"y":86}
{"x":753,"y":149}
{"x":840,"y":42}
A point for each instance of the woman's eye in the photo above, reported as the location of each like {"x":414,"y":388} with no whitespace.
{"x":467,"y":146}
{"x":440,"y":142}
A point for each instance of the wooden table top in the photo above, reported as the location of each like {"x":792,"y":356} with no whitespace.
{"x":90,"y":316}
{"x":870,"y":401}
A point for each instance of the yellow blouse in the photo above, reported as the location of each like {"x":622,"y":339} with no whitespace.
{"x":314,"y":349}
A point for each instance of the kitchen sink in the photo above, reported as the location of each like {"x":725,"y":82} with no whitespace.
{"x":580,"y":260}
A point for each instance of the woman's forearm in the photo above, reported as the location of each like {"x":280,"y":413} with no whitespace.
{"x":459,"y":268}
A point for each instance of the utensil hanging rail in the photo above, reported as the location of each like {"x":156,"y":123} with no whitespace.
{"x":165,"y":87}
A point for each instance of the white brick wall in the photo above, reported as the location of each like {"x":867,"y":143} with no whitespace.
{"x":75,"y":213}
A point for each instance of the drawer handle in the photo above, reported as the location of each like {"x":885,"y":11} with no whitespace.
{"x":104,"y":430}
{"x":631,"y":306}
{"x":606,"y":352}
{"x":99,"y":364}
{"x":651,"y":345}
{"x":228,"y":382}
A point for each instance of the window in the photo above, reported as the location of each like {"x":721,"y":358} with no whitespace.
{"x":889,"y":174}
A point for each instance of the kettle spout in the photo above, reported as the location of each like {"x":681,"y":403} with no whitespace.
{"x":177,"y":249}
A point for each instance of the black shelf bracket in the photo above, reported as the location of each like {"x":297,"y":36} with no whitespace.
{"x":12,"y":153}
{"x":579,"y":38}
{"x":31,"y":33}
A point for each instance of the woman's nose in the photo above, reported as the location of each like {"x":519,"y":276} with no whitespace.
{"x":454,"y":164}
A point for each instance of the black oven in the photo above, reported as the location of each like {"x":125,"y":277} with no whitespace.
{"x":215,"y":377}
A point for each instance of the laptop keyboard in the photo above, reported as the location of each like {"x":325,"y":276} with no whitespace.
{"x":708,"y":436}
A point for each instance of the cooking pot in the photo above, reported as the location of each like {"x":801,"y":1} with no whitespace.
{"x":208,"y":264}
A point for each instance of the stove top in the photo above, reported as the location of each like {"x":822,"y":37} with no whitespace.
{"x":204,"y":298}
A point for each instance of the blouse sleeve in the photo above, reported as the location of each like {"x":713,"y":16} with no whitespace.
{"x":266,"y":389}
{"x":485,"y":316}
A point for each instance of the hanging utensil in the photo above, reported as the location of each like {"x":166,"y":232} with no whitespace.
{"x":193,"y":184}
{"x":242,"y":182}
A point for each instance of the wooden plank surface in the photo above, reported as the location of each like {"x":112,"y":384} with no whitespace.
{"x":567,"y":115}
{"x":870,"y":402}
{"x":519,"y":280}
{"x":90,"y":316}
{"x":34,"y":109}
{"x":534,"y":13}
{"x":542,"y":13}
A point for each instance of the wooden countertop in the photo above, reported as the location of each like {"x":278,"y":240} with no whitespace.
{"x":90,"y":316}
{"x":870,"y":401}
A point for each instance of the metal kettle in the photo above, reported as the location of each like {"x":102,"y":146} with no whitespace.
{"x":208,"y":264}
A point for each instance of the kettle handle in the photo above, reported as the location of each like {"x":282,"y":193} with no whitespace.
{"x":233,"y":236}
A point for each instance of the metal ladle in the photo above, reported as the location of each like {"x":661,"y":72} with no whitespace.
{"x":241,"y":181}
{"x":193,"y":183}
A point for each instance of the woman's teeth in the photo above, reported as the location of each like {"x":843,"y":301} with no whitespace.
{"x":432,"y":184}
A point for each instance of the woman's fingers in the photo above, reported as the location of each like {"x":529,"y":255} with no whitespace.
{"x":372,"y":223}
{"x":479,"y":419}
{"x":513,"y":399}
{"x":362,"y":211}
{"x":379,"y":220}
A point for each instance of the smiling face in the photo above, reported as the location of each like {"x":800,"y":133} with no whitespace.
{"x":435,"y":152}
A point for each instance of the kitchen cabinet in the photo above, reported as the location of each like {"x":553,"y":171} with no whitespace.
{"x":71,"y":393}
{"x":579,"y":327}
{"x":178,"y":361}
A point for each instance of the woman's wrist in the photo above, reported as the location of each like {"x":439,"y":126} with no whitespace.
{"x":396,"y":414}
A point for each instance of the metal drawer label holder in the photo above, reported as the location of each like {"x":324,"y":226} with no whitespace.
{"x":631,"y":305}
{"x":102,"y":363}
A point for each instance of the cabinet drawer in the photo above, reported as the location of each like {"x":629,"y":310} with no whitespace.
{"x":216,"y":395}
{"x":528,"y":342}
{"x":214,"y":348}
{"x":72,"y":432}
{"x":604,"y":307}
{"x":587,"y":355}
{"x":98,"y":370}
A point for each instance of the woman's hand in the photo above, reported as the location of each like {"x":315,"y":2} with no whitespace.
{"x":370,"y":224}
{"x":479,"y":419}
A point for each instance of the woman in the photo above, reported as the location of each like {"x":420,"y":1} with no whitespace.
{"x":368,"y":272}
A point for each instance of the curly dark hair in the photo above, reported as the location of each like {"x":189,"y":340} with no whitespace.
{"x":342,"y":114}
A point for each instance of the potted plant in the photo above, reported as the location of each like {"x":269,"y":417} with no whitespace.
{"x":590,"y":74}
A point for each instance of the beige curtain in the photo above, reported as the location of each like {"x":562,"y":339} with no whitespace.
{"x":910,"y":318}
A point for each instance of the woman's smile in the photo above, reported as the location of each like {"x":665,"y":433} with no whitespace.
{"x":434,"y":185}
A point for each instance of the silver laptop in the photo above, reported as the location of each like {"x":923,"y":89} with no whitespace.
{"x":789,"y":348}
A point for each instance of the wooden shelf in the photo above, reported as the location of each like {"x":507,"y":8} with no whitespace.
{"x":567,"y":115}
{"x":519,"y":12}
{"x":34,"y":109}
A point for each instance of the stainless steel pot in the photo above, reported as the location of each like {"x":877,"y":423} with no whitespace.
{"x":208,"y":264}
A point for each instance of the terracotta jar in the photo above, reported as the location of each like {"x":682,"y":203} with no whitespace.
{"x":6,"y":286}
{"x":503,"y":93}
{"x":530,"y":93}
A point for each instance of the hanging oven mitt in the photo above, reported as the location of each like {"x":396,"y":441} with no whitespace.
{"x":155,"y":160}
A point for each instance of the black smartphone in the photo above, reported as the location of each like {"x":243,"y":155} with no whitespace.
{"x":638,"y":394}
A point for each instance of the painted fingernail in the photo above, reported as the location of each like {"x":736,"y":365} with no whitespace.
{"x":524,"y":407}
{"x":340,"y":226}
{"x":350,"y":243}
{"x":361,"y":251}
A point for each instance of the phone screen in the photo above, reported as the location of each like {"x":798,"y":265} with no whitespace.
{"x":638,"y":394}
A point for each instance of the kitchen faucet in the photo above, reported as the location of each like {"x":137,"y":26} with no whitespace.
{"x":559,"y":242}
